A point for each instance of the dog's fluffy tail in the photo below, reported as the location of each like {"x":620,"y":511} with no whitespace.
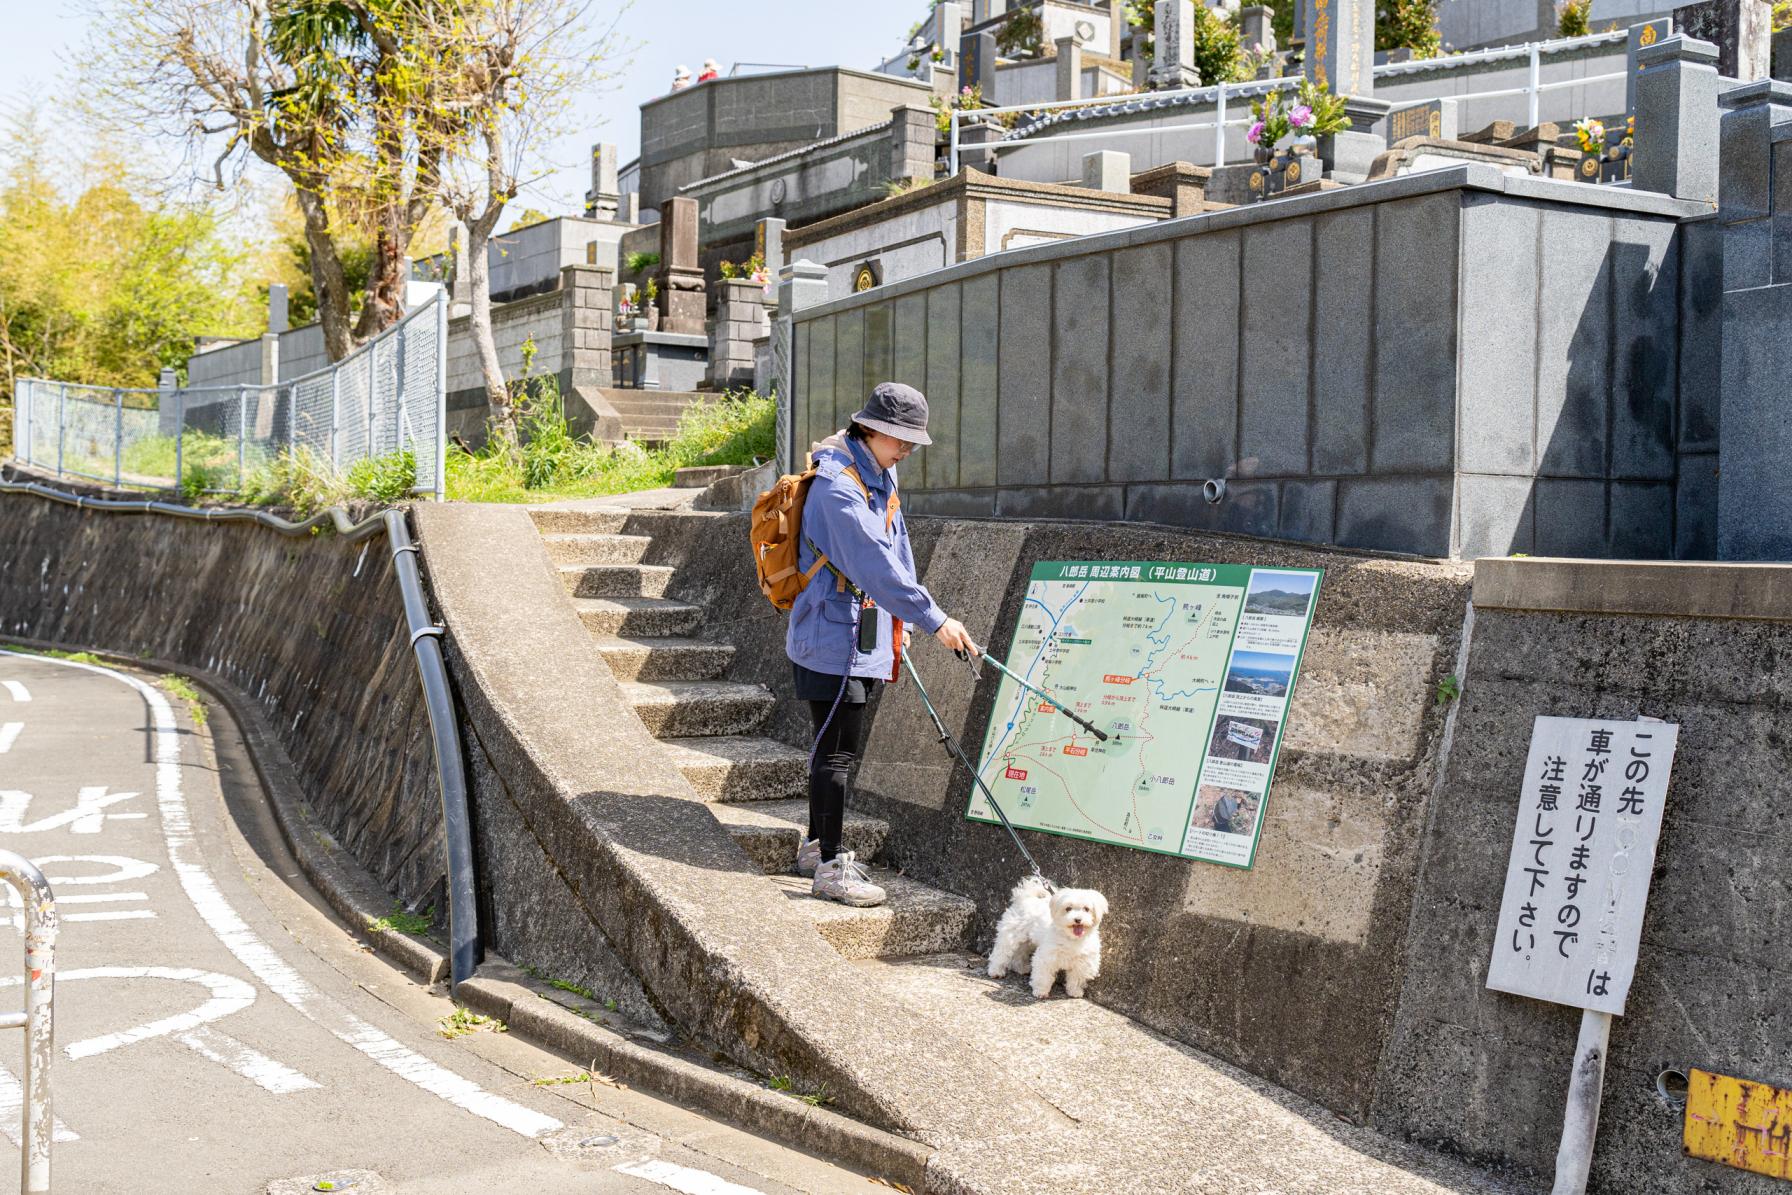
{"x":1031,"y":888}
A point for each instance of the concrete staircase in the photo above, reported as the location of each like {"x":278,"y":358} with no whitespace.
{"x":652,"y":414}
{"x":757,"y":786}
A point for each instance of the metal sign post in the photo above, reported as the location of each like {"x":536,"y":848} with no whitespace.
{"x":40,"y":981}
{"x":1577,"y":881}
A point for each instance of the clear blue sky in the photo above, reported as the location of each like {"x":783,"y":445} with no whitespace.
{"x":43,"y":35}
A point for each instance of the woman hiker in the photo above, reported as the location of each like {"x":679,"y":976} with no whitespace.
{"x":839,"y":645}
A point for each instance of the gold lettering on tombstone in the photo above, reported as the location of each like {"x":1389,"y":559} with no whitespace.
{"x":1322,"y":27}
{"x":758,"y":240}
{"x":1647,"y":37}
{"x":1437,"y":122}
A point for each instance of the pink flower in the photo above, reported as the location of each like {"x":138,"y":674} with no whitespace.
{"x":1255,"y":136}
{"x":1301,"y":117}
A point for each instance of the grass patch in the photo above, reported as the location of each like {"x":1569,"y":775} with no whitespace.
{"x":399,"y":921}
{"x":464,"y":1020}
{"x":547,"y":462}
{"x":180,"y":688}
{"x":1448,"y":690}
{"x":785,"y":1085}
{"x":298,"y":477}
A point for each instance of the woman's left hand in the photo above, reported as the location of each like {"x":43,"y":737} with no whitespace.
{"x":908,"y":636}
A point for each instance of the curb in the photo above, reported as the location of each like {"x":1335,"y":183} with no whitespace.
{"x":561,"y":1021}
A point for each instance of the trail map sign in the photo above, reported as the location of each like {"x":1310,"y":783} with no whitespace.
{"x":1583,"y":849}
{"x":1189,"y":668}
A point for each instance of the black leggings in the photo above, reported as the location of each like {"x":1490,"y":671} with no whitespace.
{"x":834,"y":756}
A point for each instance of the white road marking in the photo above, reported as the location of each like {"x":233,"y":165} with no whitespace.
{"x":85,"y":818}
{"x":275,"y":972}
{"x":99,"y":898}
{"x":251,"y":1064}
{"x":9,"y":734}
{"x":124,"y":869}
{"x":228,"y":995}
{"x":19,"y":692}
{"x":684,"y":1178}
{"x":12,"y":1105}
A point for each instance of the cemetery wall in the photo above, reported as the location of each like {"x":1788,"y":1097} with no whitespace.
{"x":1484,"y":1073}
{"x":701,"y":131}
{"x":227,"y":365}
{"x":1453,"y":364}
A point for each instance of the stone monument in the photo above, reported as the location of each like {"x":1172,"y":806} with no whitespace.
{"x":1173,"y":65}
{"x":1742,"y":31}
{"x":1340,"y":50}
{"x":680,"y":277}
{"x":605,"y":194}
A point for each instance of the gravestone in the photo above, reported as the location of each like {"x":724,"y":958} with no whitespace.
{"x":680,"y":277}
{"x":1742,"y":31}
{"x":768,"y":243}
{"x":977,"y":62}
{"x":1676,"y":149}
{"x":1256,"y":28}
{"x":1641,"y":38}
{"x":1173,"y":65}
{"x":1340,"y":52}
{"x":605,"y":195}
{"x":1108,"y":170}
{"x":1436,"y":119}
{"x":1070,"y":69}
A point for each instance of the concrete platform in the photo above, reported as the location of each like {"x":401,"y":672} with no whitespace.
{"x":914,"y":919}
{"x":1144,"y":1113}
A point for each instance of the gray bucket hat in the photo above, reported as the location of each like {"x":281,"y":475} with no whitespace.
{"x":896,"y":410}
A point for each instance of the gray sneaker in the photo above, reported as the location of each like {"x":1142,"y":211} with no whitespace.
{"x":808,"y":857}
{"x":846,"y":881}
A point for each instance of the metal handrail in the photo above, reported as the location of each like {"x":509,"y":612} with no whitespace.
{"x":37,"y":1019}
{"x":465,"y":947}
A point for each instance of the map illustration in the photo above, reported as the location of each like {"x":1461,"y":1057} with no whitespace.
{"x":1189,"y":669}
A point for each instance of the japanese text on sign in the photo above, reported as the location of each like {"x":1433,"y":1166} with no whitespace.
{"x":1583,"y":848}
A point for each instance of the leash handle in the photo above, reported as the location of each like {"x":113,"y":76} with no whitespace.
{"x":953,"y":746}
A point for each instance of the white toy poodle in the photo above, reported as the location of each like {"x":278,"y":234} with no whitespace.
{"x":1060,"y":932}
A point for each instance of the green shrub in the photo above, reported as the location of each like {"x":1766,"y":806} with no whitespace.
{"x":385,"y":478}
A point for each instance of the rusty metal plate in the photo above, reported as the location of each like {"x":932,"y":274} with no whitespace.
{"x":1739,"y":1123}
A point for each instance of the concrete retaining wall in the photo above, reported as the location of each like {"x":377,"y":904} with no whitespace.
{"x":1453,"y":364}
{"x":311,"y":629}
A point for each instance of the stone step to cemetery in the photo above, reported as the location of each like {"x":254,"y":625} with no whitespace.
{"x":616,"y":580}
{"x":771,"y":831}
{"x":586,"y":548}
{"x":687,"y":709}
{"x":730,"y":768}
{"x":913,"y":920}
{"x":665,"y":658}
{"x":637,"y":617}
{"x":696,"y":477}
{"x":551,"y":520}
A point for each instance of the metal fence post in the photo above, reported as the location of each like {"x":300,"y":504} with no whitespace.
{"x":1534,"y":94}
{"x":373,"y":352}
{"x":61,"y":424}
{"x":118,"y":440}
{"x":1219,"y":127}
{"x":37,"y":1018}
{"x":952,"y":153}
{"x":441,"y":478}
{"x":242,"y":431}
{"x":180,"y":434}
{"x":404,"y":334}
{"x":335,"y":409}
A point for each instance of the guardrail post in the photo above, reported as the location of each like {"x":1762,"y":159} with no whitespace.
{"x":36,"y":1020}
{"x":952,"y":152}
{"x":118,"y":440}
{"x":1535,"y":91}
{"x":1219,"y":126}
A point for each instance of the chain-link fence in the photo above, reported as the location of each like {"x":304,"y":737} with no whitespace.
{"x":389,"y":396}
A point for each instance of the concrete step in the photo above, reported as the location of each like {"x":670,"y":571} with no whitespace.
{"x":771,"y":831}
{"x":665,"y":658}
{"x":915,"y":919}
{"x":550,"y":520}
{"x":726,"y":768}
{"x":637,"y":616}
{"x":616,"y":580}
{"x":695,"y":477}
{"x":686,"y":708}
{"x":583,"y":548}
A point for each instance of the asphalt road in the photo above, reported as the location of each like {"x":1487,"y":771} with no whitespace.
{"x":218,"y":1030}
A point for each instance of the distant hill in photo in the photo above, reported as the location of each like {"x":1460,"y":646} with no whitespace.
{"x":1276,"y":601}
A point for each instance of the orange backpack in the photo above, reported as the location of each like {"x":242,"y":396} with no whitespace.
{"x":777,"y":530}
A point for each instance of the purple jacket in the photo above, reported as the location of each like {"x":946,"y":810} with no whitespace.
{"x":849,"y":530}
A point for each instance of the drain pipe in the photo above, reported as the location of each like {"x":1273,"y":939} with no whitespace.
{"x":451,"y":772}
{"x":465,"y":948}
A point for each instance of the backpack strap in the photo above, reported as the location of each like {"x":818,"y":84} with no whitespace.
{"x":852,"y":471}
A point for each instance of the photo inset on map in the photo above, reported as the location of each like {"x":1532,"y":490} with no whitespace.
{"x":1260,"y":673}
{"x":1282,"y":594}
{"x":1248,"y":740}
{"x":1225,"y":810}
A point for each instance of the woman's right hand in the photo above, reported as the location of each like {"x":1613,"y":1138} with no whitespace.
{"x":955,"y":637}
